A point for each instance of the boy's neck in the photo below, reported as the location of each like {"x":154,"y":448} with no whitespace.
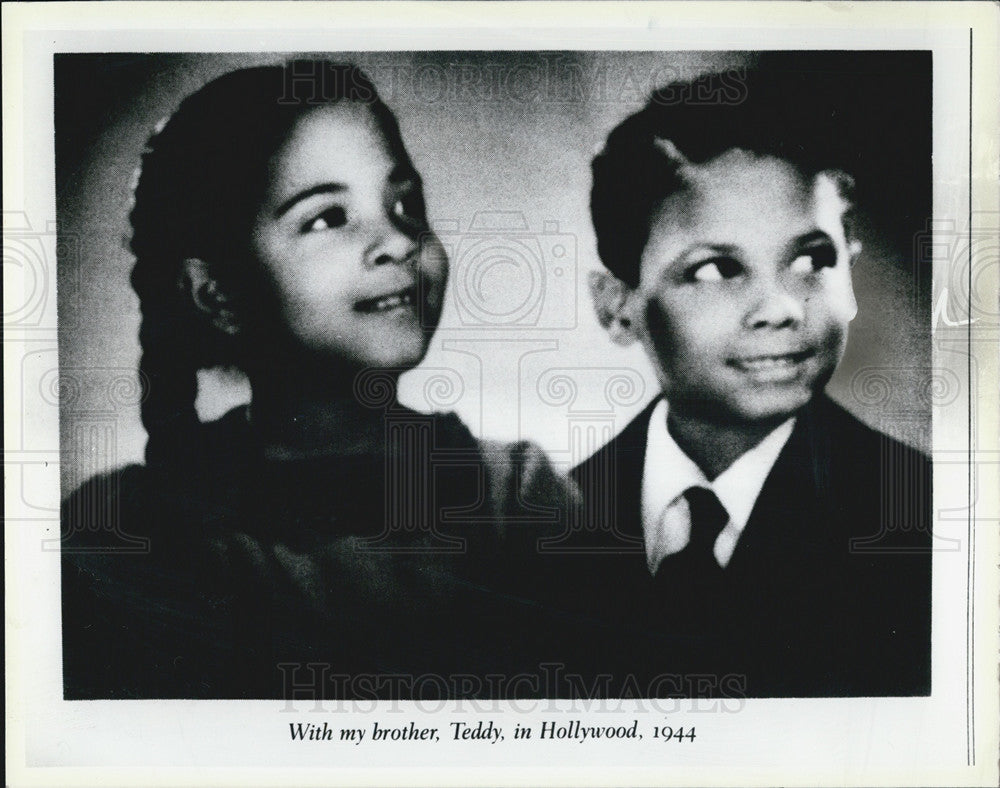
{"x":714,"y":446}
{"x":297,"y":417}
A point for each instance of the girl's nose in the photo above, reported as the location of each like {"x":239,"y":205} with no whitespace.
{"x":774,"y":306}
{"x":392,"y":245}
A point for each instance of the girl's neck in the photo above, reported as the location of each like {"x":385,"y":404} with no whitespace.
{"x":299,"y":417}
{"x":714,"y":445}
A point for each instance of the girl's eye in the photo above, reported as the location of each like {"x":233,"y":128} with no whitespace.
{"x":715,"y":269}
{"x":330,"y":219}
{"x":812,"y":260}
{"x":409,"y":208}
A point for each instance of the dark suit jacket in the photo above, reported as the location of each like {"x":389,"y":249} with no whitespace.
{"x":827,"y":592}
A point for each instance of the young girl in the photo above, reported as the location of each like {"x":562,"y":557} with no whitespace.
{"x":325,"y":536}
{"x":778,"y":545}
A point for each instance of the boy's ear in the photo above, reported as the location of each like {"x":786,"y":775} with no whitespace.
{"x":853,"y":251}
{"x":611,"y":303}
{"x":852,"y":304}
{"x":209,"y":296}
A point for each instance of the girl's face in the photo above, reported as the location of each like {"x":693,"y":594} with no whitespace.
{"x":745,"y":289}
{"x":343,"y":240}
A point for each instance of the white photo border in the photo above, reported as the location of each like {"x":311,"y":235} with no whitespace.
{"x":948,"y":738}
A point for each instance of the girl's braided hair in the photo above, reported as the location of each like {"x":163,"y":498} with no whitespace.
{"x":202,"y":177}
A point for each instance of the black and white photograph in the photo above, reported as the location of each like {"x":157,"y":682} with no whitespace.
{"x":279,"y":228}
{"x":450,"y":401}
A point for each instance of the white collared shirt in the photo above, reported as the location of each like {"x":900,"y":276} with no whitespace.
{"x":668,"y":472}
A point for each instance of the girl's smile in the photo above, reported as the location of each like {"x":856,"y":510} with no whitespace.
{"x":404,"y":300}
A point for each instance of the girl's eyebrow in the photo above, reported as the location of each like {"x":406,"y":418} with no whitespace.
{"x":403,"y":173}
{"x":312,"y":191}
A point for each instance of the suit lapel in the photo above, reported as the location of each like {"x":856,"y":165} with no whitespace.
{"x":787,"y":524}
{"x":611,"y":482}
{"x":787,"y":521}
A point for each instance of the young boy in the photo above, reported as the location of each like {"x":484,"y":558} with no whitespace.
{"x":750,"y":537}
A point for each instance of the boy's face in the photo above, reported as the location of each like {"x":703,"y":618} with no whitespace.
{"x":745,"y":290}
{"x":342,"y":238}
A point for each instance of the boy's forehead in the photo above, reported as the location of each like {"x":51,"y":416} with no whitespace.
{"x":740,"y":195}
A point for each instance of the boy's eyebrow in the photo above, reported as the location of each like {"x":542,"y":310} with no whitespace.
{"x":725,"y":249}
{"x":810,"y":237}
{"x":312,"y":191}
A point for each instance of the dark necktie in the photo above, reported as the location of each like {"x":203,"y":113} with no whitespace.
{"x":690,"y":582}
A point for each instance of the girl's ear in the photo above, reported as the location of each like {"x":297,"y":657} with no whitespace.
{"x":209,"y":296}
{"x":611,"y":298}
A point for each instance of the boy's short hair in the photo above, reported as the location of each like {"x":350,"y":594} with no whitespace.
{"x":796,"y":115}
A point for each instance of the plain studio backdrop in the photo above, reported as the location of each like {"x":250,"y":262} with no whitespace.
{"x":503,"y":141}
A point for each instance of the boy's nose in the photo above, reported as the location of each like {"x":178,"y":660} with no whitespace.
{"x":775,"y":307}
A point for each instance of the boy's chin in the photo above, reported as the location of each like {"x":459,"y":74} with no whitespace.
{"x":767,"y":410}
{"x":753,"y":412}
{"x":771,"y":403}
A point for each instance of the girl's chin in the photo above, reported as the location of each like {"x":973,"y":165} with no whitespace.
{"x":340,"y":363}
{"x":401,"y":356}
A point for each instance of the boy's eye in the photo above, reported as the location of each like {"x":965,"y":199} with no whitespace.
{"x":715,"y":269}
{"x":811,"y":260}
{"x":330,"y":219}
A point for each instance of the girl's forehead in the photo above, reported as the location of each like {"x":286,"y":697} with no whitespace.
{"x":339,"y":142}
{"x":347,"y":125}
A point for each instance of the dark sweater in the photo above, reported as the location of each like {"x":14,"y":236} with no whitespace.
{"x":224,"y":575}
